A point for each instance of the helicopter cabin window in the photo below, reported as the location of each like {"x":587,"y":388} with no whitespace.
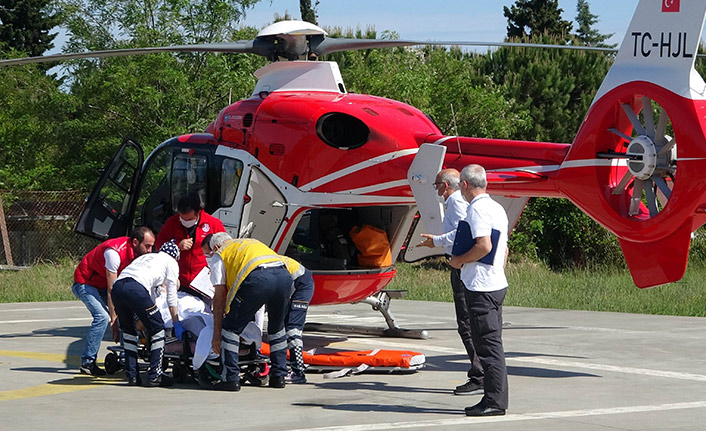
{"x":231,"y":171}
{"x":189,"y":177}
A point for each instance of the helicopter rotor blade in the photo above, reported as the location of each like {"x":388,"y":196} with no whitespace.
{"x":329,"y":45}
{"x":648,"y":115}
{"x":633,"y":119}
{"x":289,"y":39}
{"x":620,"y":188}
{"x":246,"y":46}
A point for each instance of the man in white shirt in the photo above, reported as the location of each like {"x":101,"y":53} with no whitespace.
{"x":447,"y":185}
{"x":134,"y":293}
{"x":483,"y":274}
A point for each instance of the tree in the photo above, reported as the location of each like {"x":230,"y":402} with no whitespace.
{"x":25,"y":26}
{"x":586,"y":34}
{"x":149,"y":98}
{"x":308,"y":12}
{"x":34,"y":111}
{"x":536,"y":17}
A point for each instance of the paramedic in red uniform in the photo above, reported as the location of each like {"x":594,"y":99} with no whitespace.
{"x":188,"y":228}
{"x":93,"y":281}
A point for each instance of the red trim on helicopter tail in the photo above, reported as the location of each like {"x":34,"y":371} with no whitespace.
{"x":658,"y":262}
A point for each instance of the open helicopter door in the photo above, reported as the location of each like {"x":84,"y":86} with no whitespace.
{"x":264,"y":210}
{"x":109,"y":206}
{"x":421,"y":175}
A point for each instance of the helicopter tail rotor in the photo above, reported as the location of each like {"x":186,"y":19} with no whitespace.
{"x":638,"y":163}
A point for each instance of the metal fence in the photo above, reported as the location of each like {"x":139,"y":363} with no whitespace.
{"x":39,"y":227}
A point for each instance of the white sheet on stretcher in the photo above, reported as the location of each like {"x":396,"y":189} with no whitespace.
{"x":196,"y":317}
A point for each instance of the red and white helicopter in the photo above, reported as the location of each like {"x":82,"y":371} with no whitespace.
{"x":302,"y":160}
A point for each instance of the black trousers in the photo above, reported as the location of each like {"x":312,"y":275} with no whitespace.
{"x":263,"y":286}
{"x":486,"y":311}
{"x":130,"y":298}
{"x":463,"y":321}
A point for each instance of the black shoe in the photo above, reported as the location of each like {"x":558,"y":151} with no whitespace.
{"x":162,"y":380}
{"x":469,"y":388}
{"x":134,"y":381}
{"x":227,"y":386}
{"x":481,"y":410}
{"x":277,"y":381}
{"x":92,"y":369}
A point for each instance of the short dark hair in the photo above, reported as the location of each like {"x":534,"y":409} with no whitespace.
{"x":188,"y":204}
{"x":207,"y":241}
{"x":139,"y":233}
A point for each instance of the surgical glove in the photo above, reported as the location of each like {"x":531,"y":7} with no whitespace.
{"x":178,"y":330}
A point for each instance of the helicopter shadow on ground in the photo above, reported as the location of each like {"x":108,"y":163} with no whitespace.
{"x":72,"y":358}
{"x":385,"y":408}
{"x":460,"y":363}
{"x":73,"y":332}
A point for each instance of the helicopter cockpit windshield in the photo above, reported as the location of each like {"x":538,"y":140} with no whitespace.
{"x":173,"y":172}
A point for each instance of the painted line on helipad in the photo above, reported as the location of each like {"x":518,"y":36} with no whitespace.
{"x":568,"y":414}
{"x":44,"y":308}
{"x":66,"y":319}
{"x":541,"y":360}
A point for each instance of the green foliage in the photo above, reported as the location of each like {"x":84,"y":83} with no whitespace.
{"x":556,"y":87}
{"x":534,"y":18}
{"x":556,"y":232}
{"x":586,"y":33}
{"x":25,"y":26}
{"x":56,"y":136}
{"x":308,"y":12}
{"x":33,"y":114}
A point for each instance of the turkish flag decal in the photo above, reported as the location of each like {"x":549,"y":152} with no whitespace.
{"x":670,"y":5}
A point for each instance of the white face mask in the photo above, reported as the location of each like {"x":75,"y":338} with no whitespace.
{"x":188,"y":223}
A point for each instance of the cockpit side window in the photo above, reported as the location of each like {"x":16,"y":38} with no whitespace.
{"x":231,"y":171}
{"x":153,"y":204}
{"x":189,"y":177}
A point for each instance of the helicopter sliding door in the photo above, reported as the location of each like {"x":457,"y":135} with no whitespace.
{"x":264,"y":209}
{"x":108,"y":209}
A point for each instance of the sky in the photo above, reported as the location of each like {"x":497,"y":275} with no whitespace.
{"x":451,"y":20}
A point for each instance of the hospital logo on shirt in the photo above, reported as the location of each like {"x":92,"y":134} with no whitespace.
{"x":206,"y":227}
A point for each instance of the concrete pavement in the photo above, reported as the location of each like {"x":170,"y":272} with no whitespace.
{"x":568,"y":370}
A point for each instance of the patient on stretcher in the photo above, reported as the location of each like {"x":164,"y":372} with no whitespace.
{"x":197,"y":318}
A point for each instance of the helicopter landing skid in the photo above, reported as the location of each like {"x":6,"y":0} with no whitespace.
{"x":380,"y":302}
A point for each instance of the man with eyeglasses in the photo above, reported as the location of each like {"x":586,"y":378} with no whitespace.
{"x":447,"y":185}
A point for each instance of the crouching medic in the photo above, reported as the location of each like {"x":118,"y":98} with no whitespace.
{"x":134,"y":293}
{"x":246,"y":275}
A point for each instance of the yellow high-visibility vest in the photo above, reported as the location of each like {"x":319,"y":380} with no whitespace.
{"x":295,"y":268}
{"x":240,"y":258}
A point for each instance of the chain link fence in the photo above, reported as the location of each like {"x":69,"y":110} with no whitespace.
{"x":39,"y":227}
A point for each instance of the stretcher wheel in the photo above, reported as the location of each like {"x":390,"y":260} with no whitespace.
{"x":180,"y":373}
{"x":112,"y":364}
{"x":258,"y":377}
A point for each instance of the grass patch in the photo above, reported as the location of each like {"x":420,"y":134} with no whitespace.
{"x":45,"y":282}
{"x":534,"y":285}
{"x":531,"y":285}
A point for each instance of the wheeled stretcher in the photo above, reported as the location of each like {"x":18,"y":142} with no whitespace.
{"x":178,"y":359}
